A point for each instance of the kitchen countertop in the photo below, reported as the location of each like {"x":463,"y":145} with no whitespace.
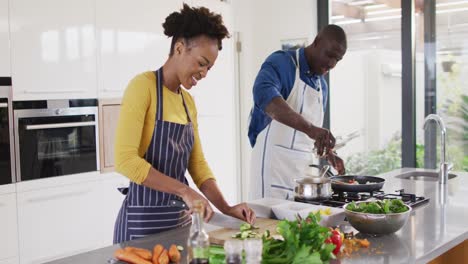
{"x":432,"y":229}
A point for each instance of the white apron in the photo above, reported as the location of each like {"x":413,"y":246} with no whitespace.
{"x":281,"y":153}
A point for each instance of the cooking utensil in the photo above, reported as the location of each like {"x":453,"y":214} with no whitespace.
{"x":218,"y":219}
{"x":329,"y":173}
{"x":341,"y":142}
{"x":324,"y":171}
{"x":378,"y":224}
{"x":178,"y":204}
{"x":313,"y":188}
{"x":342,"y":183}
{"x":226,"y":221}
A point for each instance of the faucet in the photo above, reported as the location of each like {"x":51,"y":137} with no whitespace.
{"x":445,"y":167}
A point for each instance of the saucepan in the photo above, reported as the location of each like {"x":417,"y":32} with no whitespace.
{"x":314,"y":188}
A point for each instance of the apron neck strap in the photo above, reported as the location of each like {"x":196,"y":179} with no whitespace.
{"x":159,"y":97}
{"x":159,"y":94}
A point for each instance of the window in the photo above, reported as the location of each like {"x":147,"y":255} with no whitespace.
{"x":365,"y":87}
{"x":450,"y":99}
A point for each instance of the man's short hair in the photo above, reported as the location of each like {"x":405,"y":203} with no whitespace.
{"x":334,"y":32}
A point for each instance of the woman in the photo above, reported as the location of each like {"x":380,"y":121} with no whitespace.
{"x":157,"y":135}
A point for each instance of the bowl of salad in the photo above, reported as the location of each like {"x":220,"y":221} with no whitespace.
{"x":377,"y":217}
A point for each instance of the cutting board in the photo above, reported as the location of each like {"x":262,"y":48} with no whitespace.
{"x":219,"y":236}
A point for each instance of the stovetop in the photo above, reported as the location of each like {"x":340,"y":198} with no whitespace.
{"x":342,"y":198}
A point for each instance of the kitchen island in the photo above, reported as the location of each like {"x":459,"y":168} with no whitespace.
{"x":432,"y":229}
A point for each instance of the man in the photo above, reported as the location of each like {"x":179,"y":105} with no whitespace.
{"x":290,"y":95}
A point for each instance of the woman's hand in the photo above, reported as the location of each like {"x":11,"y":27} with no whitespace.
{"x":243,"y":212}
{"x":336,"y":162}
{"x":189,"y":196}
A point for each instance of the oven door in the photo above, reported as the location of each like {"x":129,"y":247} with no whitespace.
{"x":6,"y":175}
{"x":57,"y":142}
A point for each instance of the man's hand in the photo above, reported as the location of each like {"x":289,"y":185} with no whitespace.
{"x":243,"y":212}
{"x":324,"y":140}
{"x":336,"y":162}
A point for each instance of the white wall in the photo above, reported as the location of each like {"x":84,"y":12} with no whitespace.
{"x":262,"y":25}
{"x":216,"y":101}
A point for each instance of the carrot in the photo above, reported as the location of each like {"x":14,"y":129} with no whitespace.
{"x":129,"y":257}
{"x":174,"y":254}
{"x":143,"y":253}
{"x":164,"y":258}
{"x":157,"y":250}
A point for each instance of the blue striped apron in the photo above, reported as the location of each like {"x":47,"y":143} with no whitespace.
{"x":146,"y":211}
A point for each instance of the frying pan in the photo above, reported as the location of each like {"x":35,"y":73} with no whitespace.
{"x":341,"y":183}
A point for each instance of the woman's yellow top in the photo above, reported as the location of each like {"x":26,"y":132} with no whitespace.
{"x":136,"y":124}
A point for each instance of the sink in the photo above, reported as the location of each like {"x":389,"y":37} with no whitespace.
{"x":423,"y":176}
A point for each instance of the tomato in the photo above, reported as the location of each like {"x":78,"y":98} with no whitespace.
{"x":336,"y":238}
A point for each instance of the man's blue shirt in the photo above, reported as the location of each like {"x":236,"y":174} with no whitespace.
{"x":276,"y":78}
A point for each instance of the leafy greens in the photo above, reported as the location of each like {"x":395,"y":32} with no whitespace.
{"x":379,"y":207}
{"x":303,"y":242}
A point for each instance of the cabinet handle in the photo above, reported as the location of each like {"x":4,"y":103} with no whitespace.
{"x":56,"y":196}
{"x":50,"y":91}
{"x":3,"y":105}
{"x":60,"y":125}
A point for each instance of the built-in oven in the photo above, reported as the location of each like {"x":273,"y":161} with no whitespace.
{"x":55,"y":138}
{"x":7,"y":166}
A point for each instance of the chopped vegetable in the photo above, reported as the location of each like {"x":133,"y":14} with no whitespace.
{"x":246,"y":231}
{"x":379,"y":207}
{"x":325,"y":212}
{"x":180,"y":248}
{"x":354,"y":244}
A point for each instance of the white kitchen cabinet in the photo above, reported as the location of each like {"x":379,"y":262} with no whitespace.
{"x":59,"y":221}
{"x":4,"y":40}
{"x":53,"y":49}
{"x":8,"y":229}
{"x":111,"y":200}
{"x":130,"y":40}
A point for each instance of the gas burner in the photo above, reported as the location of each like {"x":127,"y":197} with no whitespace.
{"x":341,"y":198}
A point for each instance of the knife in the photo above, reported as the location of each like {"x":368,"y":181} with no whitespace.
{"x":218,"y":219}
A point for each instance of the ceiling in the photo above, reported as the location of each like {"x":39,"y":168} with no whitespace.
{"x":377,"y":24}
